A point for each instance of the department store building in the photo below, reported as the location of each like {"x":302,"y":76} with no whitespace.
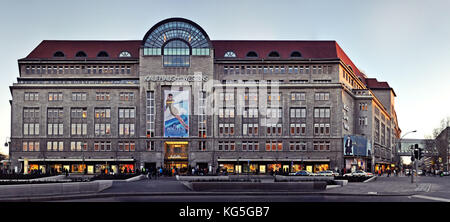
{"x":177,"y":99}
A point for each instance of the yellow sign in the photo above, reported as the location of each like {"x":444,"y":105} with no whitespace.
{"x":177,"y":143}
{"x":25,"y":166}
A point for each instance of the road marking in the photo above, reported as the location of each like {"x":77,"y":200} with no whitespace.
{"x":432,"y":198}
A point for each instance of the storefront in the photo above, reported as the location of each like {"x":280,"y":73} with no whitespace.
{"x":269,"y":166}
{"x":383,"y":166}
{"x":176,"y":156}
{"x":89,"y":166}
{"x":357,"y":163}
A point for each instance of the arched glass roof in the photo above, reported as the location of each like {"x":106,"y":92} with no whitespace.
{"x":176,"y":28}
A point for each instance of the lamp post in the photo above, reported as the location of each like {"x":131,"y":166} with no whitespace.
{"x":413,"y":162}
{"x":8,"y":144}
{"x":399,"y":142}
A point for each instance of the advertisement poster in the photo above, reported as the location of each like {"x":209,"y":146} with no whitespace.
{"x":176,"y":113}
{"x":355,"y":146}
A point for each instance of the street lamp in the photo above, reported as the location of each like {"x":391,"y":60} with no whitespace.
{"x":399,"y":141}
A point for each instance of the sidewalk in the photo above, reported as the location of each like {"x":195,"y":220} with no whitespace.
{"x":166,"y":186}
{"x":383,"y":185}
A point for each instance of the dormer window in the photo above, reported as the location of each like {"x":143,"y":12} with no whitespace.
{"x":102,"y":54}
{"x":58,"y":54}
{"x":296,"y":54}
{"x":252,"y":54}
{"x":230,"y":54}
{"x":80,"y":54}
{"x":125,"y":54}
{"x":274,"y":54}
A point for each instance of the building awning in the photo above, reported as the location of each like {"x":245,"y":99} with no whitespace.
{"x":274,"y":160}
{"x":78,"y":160}
{"x":382,"y":163}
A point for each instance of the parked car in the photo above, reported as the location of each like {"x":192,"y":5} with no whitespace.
{"x":327,"y":173}
{"x":445,"y":173}
{"x":407,"y":172}
{"x":358,"y":173}
{"x":304,"y":173}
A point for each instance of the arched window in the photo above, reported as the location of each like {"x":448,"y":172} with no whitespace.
{"x":80,"y":54}
{"x":102,"y":54}
{"x":296,"y":54}
{"x":176,"y":28}
{"x":274,"y":54}
{"x":252,"y":54}
{"x":125,"y":54}
{"x":176,"y":53}
{"x":230,"y":54}
{"x":350,"y":67}
{"x":58,"y":54}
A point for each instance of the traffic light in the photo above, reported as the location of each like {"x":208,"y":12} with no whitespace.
{"x":421,"y":155}
{"x":416,"y":153}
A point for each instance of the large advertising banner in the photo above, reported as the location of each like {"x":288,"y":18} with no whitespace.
{"x":176,"y":113}
{"x":356,"y":146}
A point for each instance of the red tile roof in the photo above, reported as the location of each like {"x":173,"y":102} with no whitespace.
{"x":308,"y":49}
{"x":47,"y":48}
{"x":374,"y":84}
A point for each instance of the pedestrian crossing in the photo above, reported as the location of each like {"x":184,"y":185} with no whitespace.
{"x":423,"y":187}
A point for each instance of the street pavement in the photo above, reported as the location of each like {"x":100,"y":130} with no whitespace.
{"x":381,"y":188}
{"x":393,"y":188}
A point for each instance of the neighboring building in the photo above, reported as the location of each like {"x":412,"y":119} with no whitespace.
{"x":443,"y":147}
{"x":177,"y":99}
{"x":428,"y":162}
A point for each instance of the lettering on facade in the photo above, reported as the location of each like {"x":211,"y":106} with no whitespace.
{"x":175,"y":78}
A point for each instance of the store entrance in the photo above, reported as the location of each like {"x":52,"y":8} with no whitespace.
{"x":176,"y":157}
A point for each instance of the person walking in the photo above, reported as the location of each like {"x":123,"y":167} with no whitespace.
{"x":149,"y":175}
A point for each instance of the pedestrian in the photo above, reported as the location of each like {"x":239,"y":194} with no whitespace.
{"x":149,"y":176}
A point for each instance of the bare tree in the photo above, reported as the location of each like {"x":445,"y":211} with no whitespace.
{"x":445,"y":122}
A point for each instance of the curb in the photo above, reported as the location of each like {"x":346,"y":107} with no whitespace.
{"x":106,"y":195}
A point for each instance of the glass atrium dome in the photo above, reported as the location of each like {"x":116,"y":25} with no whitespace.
{"x":176,"y":39}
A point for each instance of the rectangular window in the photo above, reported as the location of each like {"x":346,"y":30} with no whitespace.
{"x":322,"y":96}
{"x":274,"y":145}
{"x":202,"y":145}
{"x":31,"y":118}
{"x":31,"y":96}
{"x":102,"y":96}
{"x":150,"y":114}
{"x":297,"y":146}
{"x":79,"y":96}
{"x":126,"y":121}
{"x":78,"y":119}
{"x":226,"y":146}
{"x":202,"y":123}
{"x":321,"y":145}
{"x":150,"y":145}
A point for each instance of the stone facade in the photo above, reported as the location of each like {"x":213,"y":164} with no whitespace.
{"x":336,"y":102}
